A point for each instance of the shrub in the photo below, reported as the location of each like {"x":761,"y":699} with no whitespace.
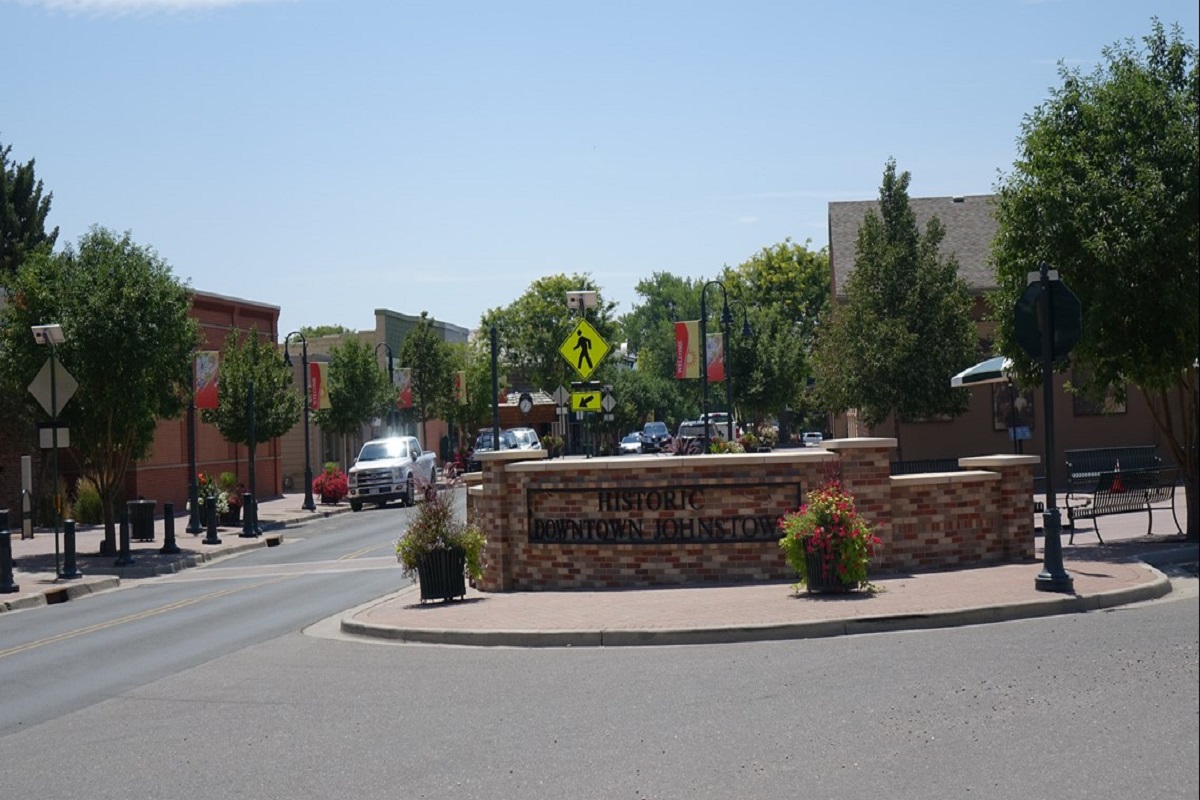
{"x":435,"y":528}
{"x":87,"y":508}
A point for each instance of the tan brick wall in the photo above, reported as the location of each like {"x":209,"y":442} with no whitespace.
{"x":634,"y":521}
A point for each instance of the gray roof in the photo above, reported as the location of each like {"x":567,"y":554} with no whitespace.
{"x":968,"y":220}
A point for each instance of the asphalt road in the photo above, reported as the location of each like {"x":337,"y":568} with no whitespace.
{"x":232,"y":682}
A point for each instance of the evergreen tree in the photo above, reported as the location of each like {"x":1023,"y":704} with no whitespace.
{"x":23,"y":211}
{"x":906,"y":325}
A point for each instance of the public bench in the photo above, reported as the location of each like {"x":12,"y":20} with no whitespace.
{"x":1117,"y":480}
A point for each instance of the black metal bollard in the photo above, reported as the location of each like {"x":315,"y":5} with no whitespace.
{"x":6,"y":561}
{"x":69,"y":570}
{"x":248,"y":517}
{"x":126,"y":556}
{"x":210,"y":511}
{"x":169,"y":547}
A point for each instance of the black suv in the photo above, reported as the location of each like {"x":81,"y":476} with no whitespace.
{"x":483,"y":444}
{"x":654,"y":436}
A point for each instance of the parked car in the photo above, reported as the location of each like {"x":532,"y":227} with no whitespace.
{"x":812,"y":439}
{"x":654,"y":436}
{"x":483,"y":444}
{"x":527,"y":438}
{"x":632,"y":443}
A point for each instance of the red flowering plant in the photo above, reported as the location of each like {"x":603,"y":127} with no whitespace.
{"x":828,"y":535}
{"x":332,"y":484}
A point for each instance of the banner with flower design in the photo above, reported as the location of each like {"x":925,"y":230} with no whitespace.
{"x":403,"y":379}
{"x":207,"y":366}
{"x":318,"y":385}
{"x":460,"y":387}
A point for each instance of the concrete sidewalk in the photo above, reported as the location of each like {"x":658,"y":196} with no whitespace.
{"x":1118,"y":572}
{"x":35,"y":573}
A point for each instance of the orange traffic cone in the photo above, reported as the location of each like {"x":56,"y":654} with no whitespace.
{"x":1117,"y":485}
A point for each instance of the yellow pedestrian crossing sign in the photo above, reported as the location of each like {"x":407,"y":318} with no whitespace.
{"x":584,"y":349}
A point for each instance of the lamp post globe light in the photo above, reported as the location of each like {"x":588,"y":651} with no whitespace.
{"x":726,"y":322}
{"x":309,"y":505}
{"x":391,"y":370}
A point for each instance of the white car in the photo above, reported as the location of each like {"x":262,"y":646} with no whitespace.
{"x":812,"y":439}
{"x":631,"y":444}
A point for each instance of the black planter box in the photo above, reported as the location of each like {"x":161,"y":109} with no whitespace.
{"x":442,"y":575}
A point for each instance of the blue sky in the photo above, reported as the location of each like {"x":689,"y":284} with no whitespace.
{"x":331,"y":157}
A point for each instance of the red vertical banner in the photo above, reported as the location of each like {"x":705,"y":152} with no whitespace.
{"x":460,"y":387}
{"x":403,"y":379}
{"x":687,"y":350}
{"x":207,"y":367}
{"x":715,"y":353}
{"x":318,"y":386}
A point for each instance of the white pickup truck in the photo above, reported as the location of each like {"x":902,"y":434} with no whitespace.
{"x":390,"y":469}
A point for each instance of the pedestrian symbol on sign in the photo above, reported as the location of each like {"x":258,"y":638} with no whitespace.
{"x":584,"y":349}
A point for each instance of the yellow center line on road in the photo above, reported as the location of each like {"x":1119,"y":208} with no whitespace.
{"x":99,"y":626}
{"x":358,"y":553}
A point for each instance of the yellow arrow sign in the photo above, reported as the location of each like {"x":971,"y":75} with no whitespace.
{"x":585,"y":401}
{"x":584,"y":349}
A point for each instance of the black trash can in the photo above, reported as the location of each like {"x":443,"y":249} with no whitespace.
{"x":141,"y":520}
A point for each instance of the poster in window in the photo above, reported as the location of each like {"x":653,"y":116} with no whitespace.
{"x":1011,"y":408}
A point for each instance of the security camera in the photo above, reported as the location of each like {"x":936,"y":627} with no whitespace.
{"x":48,"y":334}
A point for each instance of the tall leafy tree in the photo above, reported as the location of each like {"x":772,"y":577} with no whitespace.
{"x":906,"y":325}
{"x":474,"y":358}
{"x":786,"y":290}
{"x":129,"y":346}
{"x":23,"y":211}
{"x":433,"y":366}
{"x":277,"y":405}
{"x":1106,"y":192}
{"x":534,"y":326}
{"x":358,"y":389}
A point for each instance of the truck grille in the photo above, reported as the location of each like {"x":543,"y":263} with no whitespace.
{"x":374,"y":478}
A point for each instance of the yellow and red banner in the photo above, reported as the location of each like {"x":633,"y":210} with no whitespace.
{"x":460,"y":387}
{"x":207,"y":367}
{"x":687,"y":352}
{"x":318,"y":386}
{"x":403,"y":378}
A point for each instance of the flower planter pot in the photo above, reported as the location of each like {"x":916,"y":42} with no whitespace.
{"x":442,"y":575}
{"x":231,"y":517}
{"x":817,"y":578}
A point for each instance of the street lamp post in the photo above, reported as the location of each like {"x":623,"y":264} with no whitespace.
{"x":51,"y":336}
{"x":746,"y":332}
{"x":391,"y":415}
{"x":726,"y":321}
{"x":309,"y":505}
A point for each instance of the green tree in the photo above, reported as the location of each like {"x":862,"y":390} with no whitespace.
{"x":277,"y":406}
{"x":432,"y":364}
{"x":785,"y":289}
{"x":314,"y":331}
{"x":129,"y":345}
{"x":474,"y":358}
{"x":906,"y":325}
{"x":359,"y":390}
{"x":1105,"y":191}
{"x":23,"y":211}
{"x":535,"y":325}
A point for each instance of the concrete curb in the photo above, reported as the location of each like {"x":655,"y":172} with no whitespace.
{"x":1051,"y":605}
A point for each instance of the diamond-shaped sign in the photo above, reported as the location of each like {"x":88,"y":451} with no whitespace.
{"x":608,"y":403}
{"x":64,"y":387}
{"x":584,"y":349}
